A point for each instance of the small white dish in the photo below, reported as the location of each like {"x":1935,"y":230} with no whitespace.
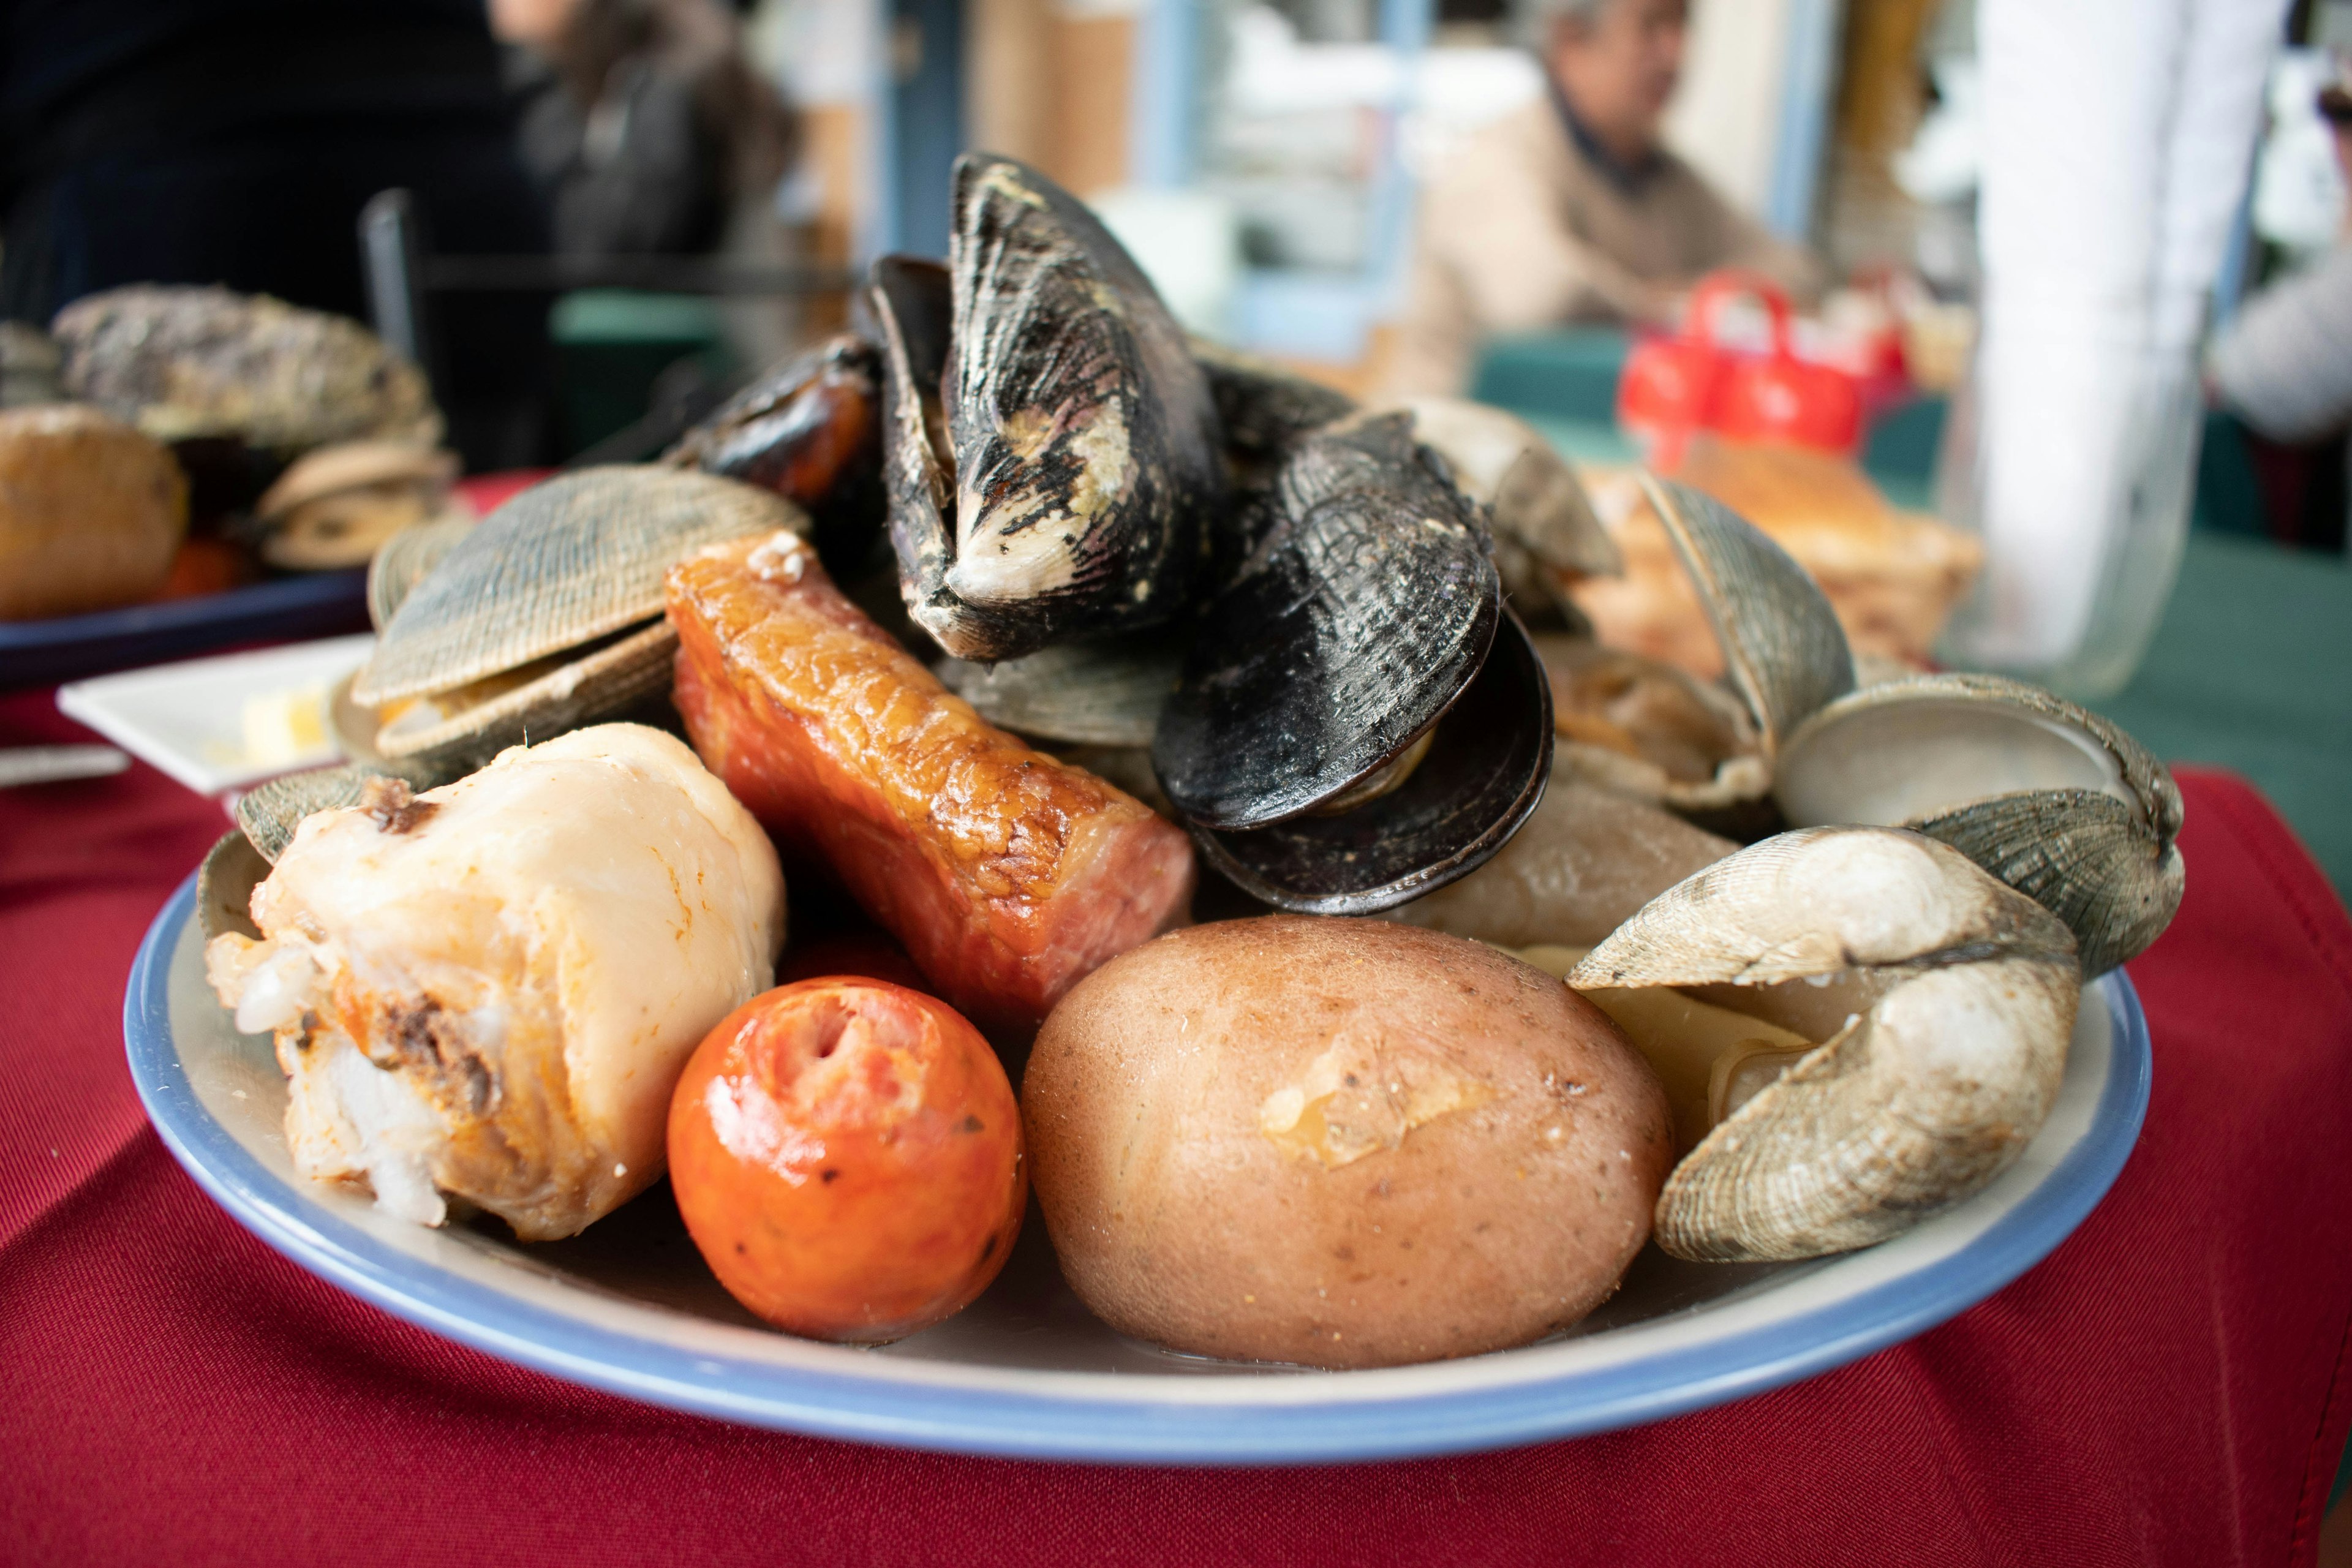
{"x":188,"y":720}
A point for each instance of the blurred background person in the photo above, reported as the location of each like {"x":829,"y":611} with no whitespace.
{"x":651,"y":135}
{"x":1572,"y":209}
{"x":2284,"y":365}
{"x":235,"y":142}
{"x":643,"y":122}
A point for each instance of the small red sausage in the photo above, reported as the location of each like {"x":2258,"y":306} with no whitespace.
{"x":848,"y":1155}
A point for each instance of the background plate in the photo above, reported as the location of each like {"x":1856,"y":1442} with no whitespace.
{"x":1026,"y":1371}
{"x":315,"y":604}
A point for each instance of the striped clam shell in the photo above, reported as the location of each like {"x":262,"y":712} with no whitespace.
{"x":563,"y":564}
{"x":2054,"y":800}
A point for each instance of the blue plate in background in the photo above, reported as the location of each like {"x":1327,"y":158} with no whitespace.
{"x":314,"y":605}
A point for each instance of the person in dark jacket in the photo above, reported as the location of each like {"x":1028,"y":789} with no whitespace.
{"x":235,"y":142}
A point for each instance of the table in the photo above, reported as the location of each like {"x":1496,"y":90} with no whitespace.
{"x":2172,"y":1385}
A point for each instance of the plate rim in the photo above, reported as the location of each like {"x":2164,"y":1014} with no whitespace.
{"x":1059,"y":1426}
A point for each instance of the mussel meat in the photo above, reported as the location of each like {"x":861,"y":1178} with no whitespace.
{"x":1052,"y":455}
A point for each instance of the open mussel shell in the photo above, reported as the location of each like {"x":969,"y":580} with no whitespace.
{"x":564,"y":563}
{"x":1085,"y":446}
{"x":1784,"y":650}
{"x":809,"y":430}
{"x":1481,"y":778}
{"x":1360,"y":618}
{"x":2053,"y":800}
{"x":1090,"y":694}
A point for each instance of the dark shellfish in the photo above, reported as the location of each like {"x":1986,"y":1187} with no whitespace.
{"x":1303,"y":744}
{"x":1357,"y":621}
{"x":1488,"y":760}
{"x":1063,"y":486}
{"x":810,"y":431}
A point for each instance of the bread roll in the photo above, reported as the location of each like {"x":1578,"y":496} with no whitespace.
{"x":91,"y":512}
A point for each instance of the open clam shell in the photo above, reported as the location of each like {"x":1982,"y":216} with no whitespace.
{"x":1943,"y":1002}
{"x":560,"y":564}
{"x":403,"y":560}
{"x":1478,"y":781}
{"x":1504,"y":462}
{"x":809,"y":430}
{"x":1640,"y":727}
{"x":1355,"y":623}
{"x":1086,"y":459}
{"x":1784,"y":650}
{"x":2052,"y":799}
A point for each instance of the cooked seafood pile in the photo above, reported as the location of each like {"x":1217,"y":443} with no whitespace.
{"x":1107,"y":597}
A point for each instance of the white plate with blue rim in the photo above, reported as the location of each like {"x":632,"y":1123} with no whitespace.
{"x":1026,"y":1370}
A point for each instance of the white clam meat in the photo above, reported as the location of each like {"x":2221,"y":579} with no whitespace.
{"x":487,"y":991}
{"x":1943,"y":1001}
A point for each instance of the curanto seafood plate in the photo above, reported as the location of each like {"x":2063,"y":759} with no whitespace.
{"x":1031,"y":850}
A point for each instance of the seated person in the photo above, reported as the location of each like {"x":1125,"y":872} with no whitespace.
{"x":2284,"y":366}
{"x":1571,"y":209}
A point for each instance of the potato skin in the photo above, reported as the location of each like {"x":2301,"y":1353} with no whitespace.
{"x":1508,"y":1211}
{"x":847,"y":1157}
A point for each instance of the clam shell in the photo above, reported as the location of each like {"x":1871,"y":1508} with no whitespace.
{"x":406,"y":558}
{"x":1504,"y":462}
{"x":1784,"y":650}
{"x":560,"y":564}
{"x":1964,"y":995}
{"x":1360,"y":620}
{"x":1481,"y":779}
{"x":270,"y":813}
{"x":1086,"y":446}
{"x":2054,"y":800}
{"x":602,"y":684}
{"x":1091,"y":694}
{"x":184,"y":362}
{"x":349,"y":465}
{"x":225,"y":885}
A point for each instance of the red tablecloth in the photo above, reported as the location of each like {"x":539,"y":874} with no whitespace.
{"x":2169,"y":1387}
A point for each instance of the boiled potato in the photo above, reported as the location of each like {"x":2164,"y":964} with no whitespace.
{"x":1341,"y":1143}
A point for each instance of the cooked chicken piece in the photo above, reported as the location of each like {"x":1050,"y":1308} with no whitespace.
{"x":487,"y":991}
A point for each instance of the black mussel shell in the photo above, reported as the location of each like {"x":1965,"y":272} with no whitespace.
{"x":809,"y":430}
{"x":1485,"y":773}
{"x":1266,"y":410}
{"x":913,"y":306}
{"x":1358,"y":619}
{"x":1086,"y":450}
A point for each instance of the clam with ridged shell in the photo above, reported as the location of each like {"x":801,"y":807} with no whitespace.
{"x":547,"y":616}
{"x":2052,"y":799}
{"x":1942,"y":1003}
